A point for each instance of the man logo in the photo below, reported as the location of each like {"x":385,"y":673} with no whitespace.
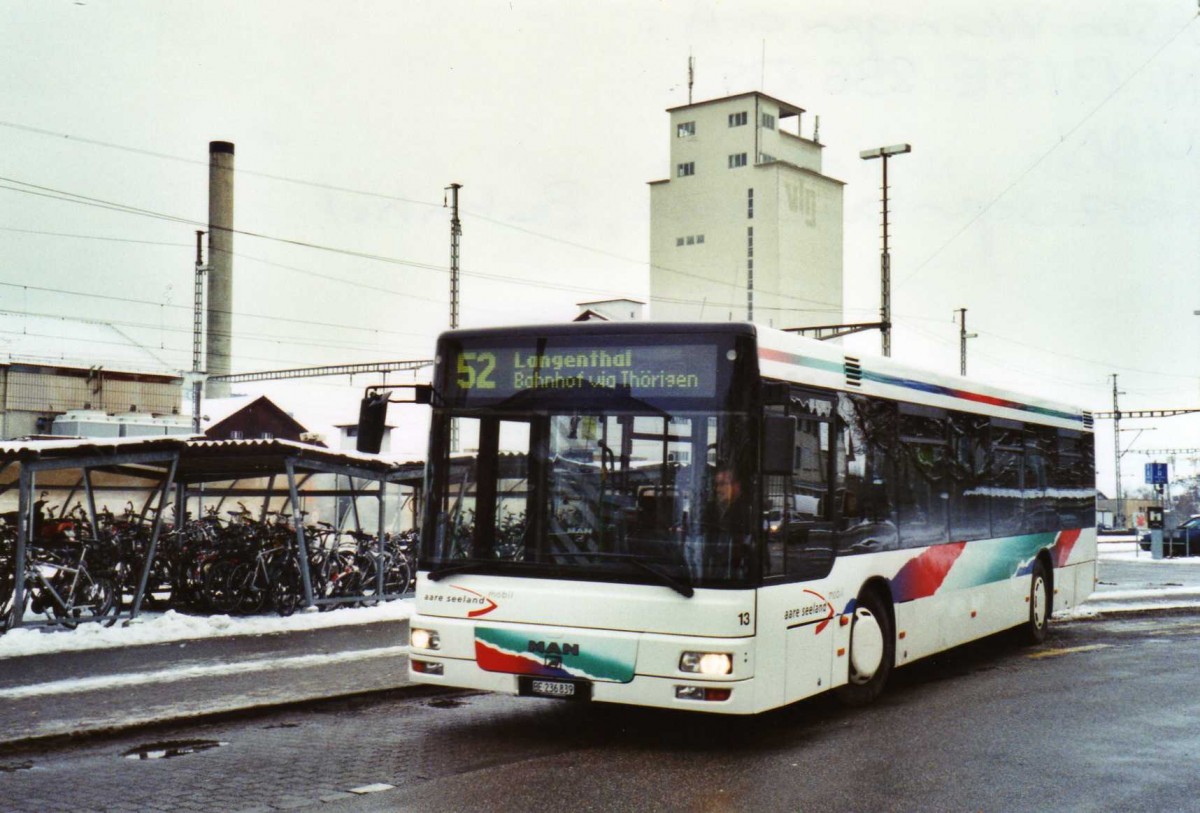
{"x":552,"y":653}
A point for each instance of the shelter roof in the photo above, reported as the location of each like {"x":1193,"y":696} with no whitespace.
{"x":198,"y":460}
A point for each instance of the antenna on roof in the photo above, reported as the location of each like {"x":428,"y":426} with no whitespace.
{"x":762,"y":79}
{"x":692,"y":74}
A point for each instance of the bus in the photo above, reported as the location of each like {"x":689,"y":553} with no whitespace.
{"x":729,"y":518}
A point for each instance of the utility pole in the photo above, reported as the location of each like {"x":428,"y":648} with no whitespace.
{"x":455,"y":233}
{"x":885,"y":259}
{"x":1120,"y":518}
{"x":963,"y":335}
{"x":198,"y":331}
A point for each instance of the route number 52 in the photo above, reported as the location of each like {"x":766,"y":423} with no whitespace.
{"x":475,"y":370}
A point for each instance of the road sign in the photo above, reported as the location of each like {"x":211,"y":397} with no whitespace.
{"x":1154,"y":514}
{"x":1156,"y":474}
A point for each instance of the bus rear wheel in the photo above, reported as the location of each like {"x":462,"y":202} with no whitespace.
{"x":1033,"y":631}
{"x":872,"y":651}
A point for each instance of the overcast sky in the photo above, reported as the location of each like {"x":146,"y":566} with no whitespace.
{"x":1052,"y":189}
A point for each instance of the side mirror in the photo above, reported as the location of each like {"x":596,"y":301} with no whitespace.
{"x":372,"y":412}
{"x":779,"y":443}
{"x":372,"y":420}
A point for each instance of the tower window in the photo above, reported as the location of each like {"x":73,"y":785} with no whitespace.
{"x":685,"y":128}
{"x":750,"y":203}
{"x":738,"y":119}
{"x":684,"y":170}
{"x":737,"y":160}
{"x":768,"y":121}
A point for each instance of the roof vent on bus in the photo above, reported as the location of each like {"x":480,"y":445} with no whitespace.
{"x":853,"y":369}
{"x":1088,"y":420}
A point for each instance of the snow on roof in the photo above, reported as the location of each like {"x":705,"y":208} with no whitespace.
{"x":69,"y":447}
{"x":215,"y":410}
{"x":69,"y":342}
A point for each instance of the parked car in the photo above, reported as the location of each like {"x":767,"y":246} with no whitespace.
{"x":1181,"y":541}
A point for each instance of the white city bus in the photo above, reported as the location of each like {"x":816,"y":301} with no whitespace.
{"x":728,"y":518}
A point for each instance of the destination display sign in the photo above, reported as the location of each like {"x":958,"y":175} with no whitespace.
{"x":496,"y":373}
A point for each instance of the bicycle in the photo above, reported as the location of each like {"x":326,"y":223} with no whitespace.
{"x":64,"y":590}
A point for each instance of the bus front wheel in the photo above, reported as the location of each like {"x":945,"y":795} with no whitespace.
{"x":872,"y":651}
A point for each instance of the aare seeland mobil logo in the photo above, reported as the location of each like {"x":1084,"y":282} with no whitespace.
{"x":479,"y":603}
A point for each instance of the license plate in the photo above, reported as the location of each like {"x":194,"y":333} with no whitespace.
{"x":552,"y":688}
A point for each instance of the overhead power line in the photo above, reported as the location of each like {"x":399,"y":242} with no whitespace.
{"x":1063,"y":139}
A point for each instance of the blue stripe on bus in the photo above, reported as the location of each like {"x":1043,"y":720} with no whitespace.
{"x":920,"y":386}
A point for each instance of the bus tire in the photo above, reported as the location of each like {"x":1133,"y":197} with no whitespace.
{"x":1033,"y":631}
{"x":872,"y":651}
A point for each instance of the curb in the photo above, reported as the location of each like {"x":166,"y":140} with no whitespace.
{"x":211,"y":717}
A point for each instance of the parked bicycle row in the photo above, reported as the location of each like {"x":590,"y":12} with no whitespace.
{"x":239,"y":563}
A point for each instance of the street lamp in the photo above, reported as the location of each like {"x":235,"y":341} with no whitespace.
{"x":885,"y":259}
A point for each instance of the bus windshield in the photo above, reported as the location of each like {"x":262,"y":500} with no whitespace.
{"x":596,"y":454}
{"x":649,"y":497}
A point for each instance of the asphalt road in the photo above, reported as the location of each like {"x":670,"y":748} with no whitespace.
{"x":94,"y":691}
{"x":1101,"y":717}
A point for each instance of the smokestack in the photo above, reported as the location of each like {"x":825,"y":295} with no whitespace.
{"x":220,"y":265}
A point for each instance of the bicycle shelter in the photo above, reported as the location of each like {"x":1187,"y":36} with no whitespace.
{"x":125,"y":467}
{"x":197,"y":470}
{"x":229,"y":469}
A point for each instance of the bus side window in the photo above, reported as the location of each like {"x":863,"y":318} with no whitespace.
{"x":865,"y":472}
{"x":969,"y":472}
{"x":1004,"y":477}
{"x":923,"y":472}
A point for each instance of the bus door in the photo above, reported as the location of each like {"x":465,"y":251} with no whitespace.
{"x":487,"y":497}
{"x":798,"y":507}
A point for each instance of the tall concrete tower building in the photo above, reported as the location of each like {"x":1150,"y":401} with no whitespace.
{"x":746,"y":226}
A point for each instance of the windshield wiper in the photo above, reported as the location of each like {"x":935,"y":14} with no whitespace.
{"x":683,"y":588}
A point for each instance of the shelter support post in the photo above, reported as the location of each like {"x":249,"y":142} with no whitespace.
{"x":266,"y":505}
{"x":153,"y":547}
{"x":380,"y":552}
{"x":91,"y":499}
{"x":298,"y":523}
{"x":24,"y":524}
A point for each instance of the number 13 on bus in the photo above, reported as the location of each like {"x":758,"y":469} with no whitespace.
{"x":728,"y":518}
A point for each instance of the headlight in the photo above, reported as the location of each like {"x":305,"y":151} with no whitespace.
{"x":706,"y":663}
{"x":424,"y":639}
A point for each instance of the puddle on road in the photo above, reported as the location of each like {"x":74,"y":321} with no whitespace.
{"x":16,"y":766}
{"x":446,"y":703}
{"x":171,"y":749}
{"x":280,"y":725}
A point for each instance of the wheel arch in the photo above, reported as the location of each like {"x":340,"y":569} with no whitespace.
{"x":1047,"y":562}
{"x":882,"y":588}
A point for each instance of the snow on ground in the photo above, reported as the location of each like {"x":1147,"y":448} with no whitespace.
{"x":1130,"y":551}
{"x":1133,"y":601}
{"x":158,"y":628}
